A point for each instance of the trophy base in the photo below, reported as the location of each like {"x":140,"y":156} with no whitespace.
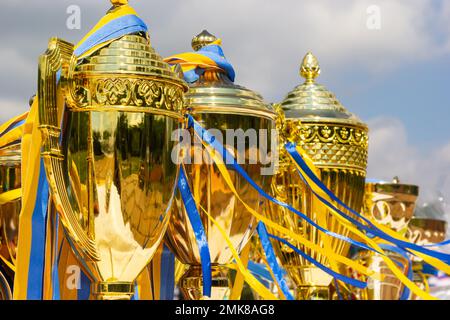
{"x":313,"y":293}
{"x":191,"y":283}
{"x":390,"y":288}
{"x":112,"y":290}
{"x":312,"y":283}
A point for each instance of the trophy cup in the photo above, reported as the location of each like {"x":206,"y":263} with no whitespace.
{"x":424,"y":231}
{"x":10,"y":180}
{"x":217,"y":103}
{"x":391,"y":204}
{"x":109,"y":168}
{"x":337,"y":142}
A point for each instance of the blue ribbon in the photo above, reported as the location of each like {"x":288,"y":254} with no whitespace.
{"x":259,"y":270}
{"x":167,"y":282}
{"x":212,"y":141}
{"x":38,"y":233}
{"x":429,"y":270}
{"x":272,"y":260}
{"x":199,"y":231}
{"x":215,"y":53}
{"x":372,"y":229}
{"x":231,"y":161}
{"x":338,"y":276}
{"x":116,"y":28}
{"x":84,"y":292}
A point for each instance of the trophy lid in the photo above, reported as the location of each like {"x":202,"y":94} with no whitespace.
{"x":395,"y":186}
{"x":312,"y":102}
{"x":214,"y":92}
{"x":130,"y":54}
{"x":126,"y":73}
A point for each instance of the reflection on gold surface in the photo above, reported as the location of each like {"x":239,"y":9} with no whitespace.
{"x":391,"y":204}
{"x":424,"y":231}
{"x":111,"y":178}
{"x":217,"y":103}
{"x":390,"y":288}
{"x":337,"y":143}
{"x":10,"y":179}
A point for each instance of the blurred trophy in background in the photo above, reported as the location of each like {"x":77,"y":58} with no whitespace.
{"x":10,"y":204}
{"x":391,"y":204}
{"x":109,"y":168}
{"x":424,"y":231}
{"x":337,"y":142}
{"x":220,"y":105}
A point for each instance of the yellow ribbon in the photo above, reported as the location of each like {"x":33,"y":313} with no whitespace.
{"x":271,"y":224}
{"x":391,"y":265}
{"x":249,"y":278}
{"x":239,"y":280}
{"x":10,"y":195}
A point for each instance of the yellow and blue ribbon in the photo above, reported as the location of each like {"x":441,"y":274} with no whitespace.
{"x":209,"y":57}
{"x":199,"y":231}
{"x":277,"y":271}
{"x":205,"y":136}
{"x":29,"y":281}
{"x":370,"y":228}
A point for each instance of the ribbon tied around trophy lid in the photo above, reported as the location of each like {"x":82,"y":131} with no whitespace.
{"x":208,"y":55}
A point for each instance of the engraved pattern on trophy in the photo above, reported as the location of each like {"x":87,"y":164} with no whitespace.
{"x":216,"y":102}
{"x":337,"y":143}
{"x":112,"y":178}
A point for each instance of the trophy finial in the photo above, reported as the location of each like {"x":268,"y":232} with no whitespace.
{"x":310,"y":68}
{"x":117,"y":3}
{"x":202,"y":39}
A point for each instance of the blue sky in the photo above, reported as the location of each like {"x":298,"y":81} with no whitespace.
{"x":396,"y":78}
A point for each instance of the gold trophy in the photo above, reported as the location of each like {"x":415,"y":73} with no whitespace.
{"x":337,"y":142}
{"x":391,"y":204}
{"x":424,"y":231}
{"x":217,"y":103}
{"x":109,"y":168}
{"x":10,"y":180}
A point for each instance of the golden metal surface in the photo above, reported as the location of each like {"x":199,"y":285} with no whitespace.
{"x":10,"y":179}
{"x":215,"y":102}
{"x":391,"y":204}
{"x":202,"y":39}
{"x":112,"y":178}
{"x":5,"y":289}
{"x":390,"y":288}
{"x":424,"y":231}
{"x":191,"y":283}
{"x":337,"y":142}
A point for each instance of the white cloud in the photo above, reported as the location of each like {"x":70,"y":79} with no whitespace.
{"x":392,"y":154}
{"x":270,"y":37}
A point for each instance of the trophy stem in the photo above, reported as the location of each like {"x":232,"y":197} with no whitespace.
{"x":313,"y":293}
{"x":312,"y":283}
{"x":191,"y":283}
{"x":112,"y":290}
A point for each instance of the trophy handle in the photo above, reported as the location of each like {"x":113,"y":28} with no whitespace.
{"x":58,"y":56}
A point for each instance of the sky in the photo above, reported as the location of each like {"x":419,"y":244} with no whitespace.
{"x":388,"y":61}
